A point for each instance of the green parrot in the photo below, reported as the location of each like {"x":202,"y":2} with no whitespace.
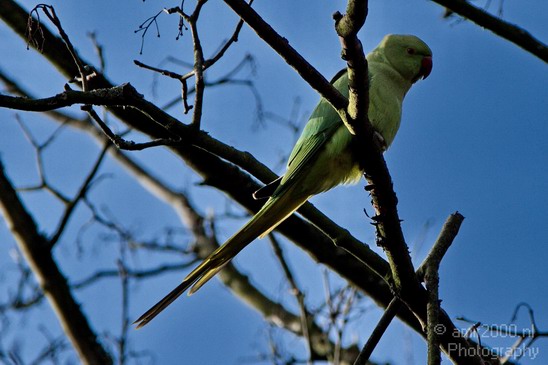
{"x":323,"y":157}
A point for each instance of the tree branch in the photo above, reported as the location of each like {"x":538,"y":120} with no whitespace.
{"x":389,"y":314}
{"x":431,"y":267}
{"x":503,"y":29}
{"x":390,"y":235}
{"x":37,"y":252}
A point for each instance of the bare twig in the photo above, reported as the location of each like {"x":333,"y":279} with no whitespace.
{"x":173,"y":75}
{"x":126,"y":323}
{"x":198,"y":67}
{"x":39,"y":149}
{"x":145,"y":26}
{"x":131,"y":273}
{"x":390,"y":312}
{"x":227,"y":79}
{"x":71,"y":205}
{"x":198,"y":70}
{"x":99,"y":50}
{"x":52,"y":350}
{"x":524,"y":337}
{"x":447,"y":234}
{"x":120,"y":142}
{"x":20,"y":303}
{"x":52,"y":16}
{"x":222,"y":50}
{"x":299,"y":295}
{"x":347,"y":305}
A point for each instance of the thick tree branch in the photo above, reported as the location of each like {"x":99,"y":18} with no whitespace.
{"x":36,"y":250}
{"x":504,"y":29}
{"x":390,"y":235}
{"x":127,"y":95}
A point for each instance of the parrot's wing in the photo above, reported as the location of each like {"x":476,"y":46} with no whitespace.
{"x":321,"y":126}
{"x":300,"y":160}
{"x":323,"y":122}
{"x":323,"y":119}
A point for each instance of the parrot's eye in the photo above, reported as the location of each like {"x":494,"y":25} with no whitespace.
{"x":410,"y":50}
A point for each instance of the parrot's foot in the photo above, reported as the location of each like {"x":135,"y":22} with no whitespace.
{"x":90,"y":73}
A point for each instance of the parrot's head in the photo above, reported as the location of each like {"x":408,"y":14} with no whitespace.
{"x":408,"y":55}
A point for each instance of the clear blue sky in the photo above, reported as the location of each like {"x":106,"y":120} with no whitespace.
{"x":473,"y":139}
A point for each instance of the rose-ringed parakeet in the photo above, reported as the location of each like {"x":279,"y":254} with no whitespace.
{"x":324,"y":156}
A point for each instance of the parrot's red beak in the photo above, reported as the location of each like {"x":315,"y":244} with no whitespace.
{"x":426,"y":67}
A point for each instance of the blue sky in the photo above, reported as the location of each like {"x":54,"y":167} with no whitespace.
{"x":473,"y":139}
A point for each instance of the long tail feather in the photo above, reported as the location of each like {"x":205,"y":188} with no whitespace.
{"x":273,"y":213}
{"x":161,"y":305}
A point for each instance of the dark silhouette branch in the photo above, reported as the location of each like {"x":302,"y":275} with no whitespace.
{"x":389,"y":314}
{"x":36,"y":250}
{"x":127,"y":95}
{"x":511,"y":32}
{"x":49,"y":11}
{"x":119,"y":141}
{"x":297,"y":293}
